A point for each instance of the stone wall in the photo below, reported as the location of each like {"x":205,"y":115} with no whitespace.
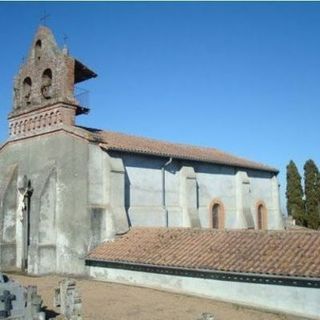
{"x":56,"y":165}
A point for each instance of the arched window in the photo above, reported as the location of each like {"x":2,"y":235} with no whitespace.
{"x":46,"y":84}
{"x":37,"y":50}
{"x":261,"y":216}
{"x":216,"y":215}
{"x":26,"y":87}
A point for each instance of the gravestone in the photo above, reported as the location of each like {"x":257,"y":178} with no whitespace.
{"x":6,"y":298}
{"x":18,"y":302}
{"x":207,"y":316}
{"x":68,"y":298}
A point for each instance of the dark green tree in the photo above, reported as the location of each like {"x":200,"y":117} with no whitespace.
{"x":294,"y":193}
{"x":312,"y":194}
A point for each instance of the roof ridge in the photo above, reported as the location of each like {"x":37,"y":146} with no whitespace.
{"x":209,"y":230}
{"x":151,"y":146}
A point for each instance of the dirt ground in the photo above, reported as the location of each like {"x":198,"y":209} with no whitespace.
{"x":109,"y":301}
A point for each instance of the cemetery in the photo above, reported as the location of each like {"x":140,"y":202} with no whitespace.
{"x":60,"y":299}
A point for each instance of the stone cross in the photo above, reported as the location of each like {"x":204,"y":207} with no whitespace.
{"x":7,"y":299}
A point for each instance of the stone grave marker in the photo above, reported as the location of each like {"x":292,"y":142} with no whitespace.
{"x":18,"y":302}
{"x":68,"y":298}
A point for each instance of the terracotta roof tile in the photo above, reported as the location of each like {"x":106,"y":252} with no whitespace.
{"x":110,"y":140}
{"x":249,"y":251}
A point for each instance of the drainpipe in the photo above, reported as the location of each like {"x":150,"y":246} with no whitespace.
{"x":164,"y":190}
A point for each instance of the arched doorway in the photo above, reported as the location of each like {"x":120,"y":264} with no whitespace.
{"x":216,"y":215}
{"x":261,"y":216}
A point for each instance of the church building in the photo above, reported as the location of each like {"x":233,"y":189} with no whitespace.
{"x":64,"y":189}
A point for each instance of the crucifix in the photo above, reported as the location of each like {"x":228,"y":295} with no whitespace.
{"x":25,"y":193}
{"x":44,"y":18}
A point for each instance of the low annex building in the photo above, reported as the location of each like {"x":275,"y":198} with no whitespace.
{"x":65,"y":189}
{"x":275,"y":270}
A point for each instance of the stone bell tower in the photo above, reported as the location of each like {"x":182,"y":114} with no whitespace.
{"x":44,"y":88}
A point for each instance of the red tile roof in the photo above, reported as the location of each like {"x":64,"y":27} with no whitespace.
{"x":281,"y":253}
{"x":110,"y":140}
{"x":115,"y":141}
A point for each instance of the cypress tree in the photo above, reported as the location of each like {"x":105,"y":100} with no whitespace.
{"x":294,"y":193}
{"x":312,"y":194}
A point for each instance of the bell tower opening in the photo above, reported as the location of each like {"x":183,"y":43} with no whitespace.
{"x":37,"y":51}
{"x":26,"y":88}
{"x":46,"y":84}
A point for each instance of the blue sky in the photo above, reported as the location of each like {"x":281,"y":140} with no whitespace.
{"x":240,"y":77}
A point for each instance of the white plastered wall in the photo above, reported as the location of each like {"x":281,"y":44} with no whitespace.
{"x":287,"y":299}
{"x":191,"y":187}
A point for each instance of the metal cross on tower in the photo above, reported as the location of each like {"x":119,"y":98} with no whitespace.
{"x":44,"y":18}
{"x":65,"y":38}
